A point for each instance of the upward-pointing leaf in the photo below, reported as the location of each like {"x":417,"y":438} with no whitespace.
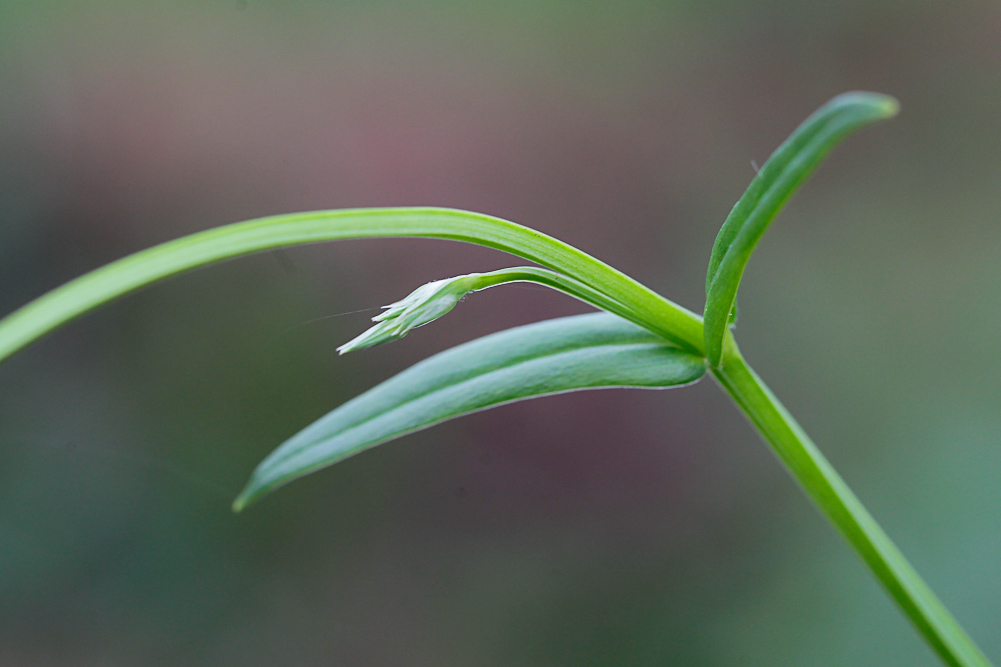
{"x":566,"y":354}
{"x":781,"y":175}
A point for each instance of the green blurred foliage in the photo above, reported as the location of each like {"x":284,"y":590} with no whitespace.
{"x":591,"y":529}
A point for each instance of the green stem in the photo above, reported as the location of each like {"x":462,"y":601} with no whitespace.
{"x":826,"y":488}
{"x":574,"y":288}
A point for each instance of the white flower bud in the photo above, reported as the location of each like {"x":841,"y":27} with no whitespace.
{"x":425,"y":304}
{"x":429,"y":302}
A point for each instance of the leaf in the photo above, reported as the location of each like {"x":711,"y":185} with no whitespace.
{"x":148,"y":266}
{"x":566,"y":354}
{"x":784,"y":172}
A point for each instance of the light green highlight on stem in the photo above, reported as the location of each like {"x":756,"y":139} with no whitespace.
{"x":841,"y":506}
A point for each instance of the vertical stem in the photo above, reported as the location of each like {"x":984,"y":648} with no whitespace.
{"x":830,"y":493}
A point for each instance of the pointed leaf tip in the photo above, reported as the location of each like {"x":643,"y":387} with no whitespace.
{"x":774,"y":184}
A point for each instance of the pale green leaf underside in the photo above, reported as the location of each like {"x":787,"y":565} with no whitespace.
{"x":130,"y":273}
{"x":781,"y":175}
{"x":566,"y":354}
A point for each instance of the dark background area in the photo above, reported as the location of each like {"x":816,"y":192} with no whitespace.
{"x":598,"y":528}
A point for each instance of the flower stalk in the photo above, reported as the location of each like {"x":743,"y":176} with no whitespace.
{"x":435,"y":299}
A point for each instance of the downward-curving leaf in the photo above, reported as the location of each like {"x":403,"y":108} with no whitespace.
{"x":781,"y":175}
{"x":130,"y":273}
{"x":566,"y":354}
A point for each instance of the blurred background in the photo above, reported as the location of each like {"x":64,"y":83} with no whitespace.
{"x":598,"y":528}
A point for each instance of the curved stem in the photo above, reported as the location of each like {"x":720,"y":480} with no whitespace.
{"x":435,"y":299}
{"x":830,"y":493}
{"x":570,"y":287}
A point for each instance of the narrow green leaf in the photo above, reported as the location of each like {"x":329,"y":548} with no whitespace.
{"x":565,"y":354}
{"x":784,"y":172}
{"x":130,"y":273}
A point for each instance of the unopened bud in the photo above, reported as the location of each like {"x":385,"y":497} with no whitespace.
{"x":425,"y":304}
